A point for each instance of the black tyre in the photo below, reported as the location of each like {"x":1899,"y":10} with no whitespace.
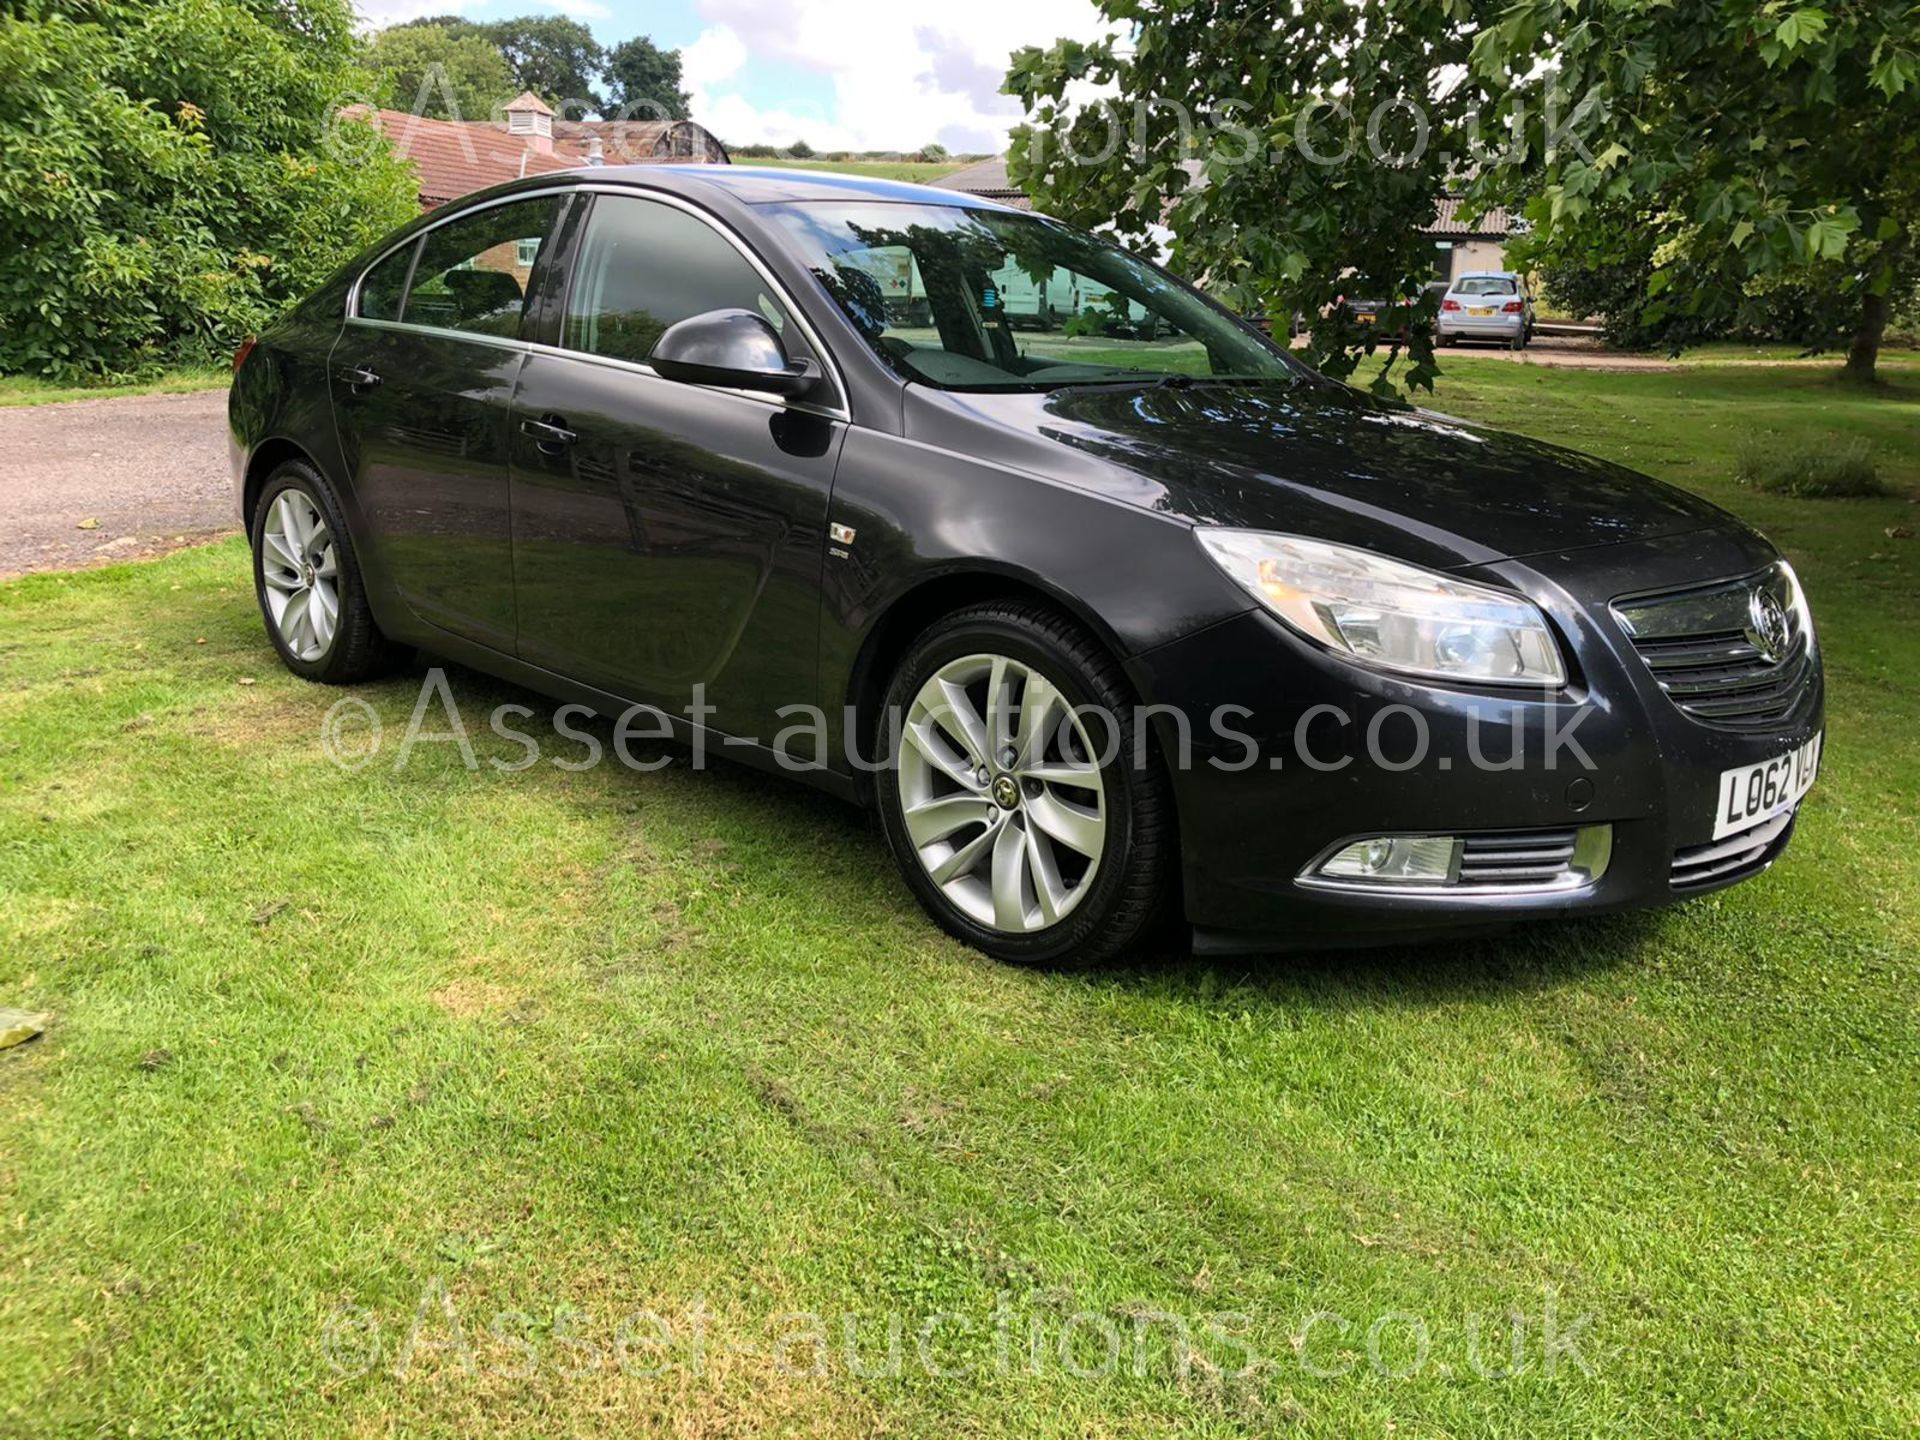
{"x":1015,"y":804}
{"x":308,"y":582}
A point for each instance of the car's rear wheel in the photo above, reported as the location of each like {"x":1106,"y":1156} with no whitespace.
{"x":1019,"y":805}
{"x":308,"y":582}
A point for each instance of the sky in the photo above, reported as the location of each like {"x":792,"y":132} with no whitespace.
{"x":839,"y":74}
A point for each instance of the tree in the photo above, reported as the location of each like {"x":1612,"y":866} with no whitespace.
{"x":800,"y":150}
{"x":437,"y":72}
{"x":556,"y":58}
{"x":645,"y":82}
{"x":1762,"y":142}
{"x":1215,"y":126}
{"x":172,"y":172}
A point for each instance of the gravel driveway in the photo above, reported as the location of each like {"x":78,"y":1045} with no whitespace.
{"x":150,"y":469}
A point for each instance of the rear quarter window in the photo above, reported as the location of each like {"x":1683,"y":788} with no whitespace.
{"x":384,"y":286}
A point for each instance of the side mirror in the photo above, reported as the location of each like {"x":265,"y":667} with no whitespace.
{"x":734,"y":348}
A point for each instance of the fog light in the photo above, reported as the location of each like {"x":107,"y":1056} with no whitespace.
{"x":1395,"y":860}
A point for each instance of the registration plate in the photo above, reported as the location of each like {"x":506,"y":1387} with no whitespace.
{"x":1479,"y":310}
{"x":1365,"y":319}
{"x":1750,"y":794}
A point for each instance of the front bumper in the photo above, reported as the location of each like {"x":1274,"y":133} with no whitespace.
{"x":1610,"y":750}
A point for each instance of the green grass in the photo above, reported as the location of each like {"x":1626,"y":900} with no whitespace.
{"x":31,"y":390}
{"x":920,"y":172}
{"x":1826,"y":468}
{"x":563,"y":1048}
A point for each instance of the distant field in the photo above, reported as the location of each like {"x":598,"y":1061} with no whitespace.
{"x":914,"y":170}
{"x":32,"y":390}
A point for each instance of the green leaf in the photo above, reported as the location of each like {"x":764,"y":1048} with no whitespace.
{"x":1827,"y":237}
{"x":1802,"y":27}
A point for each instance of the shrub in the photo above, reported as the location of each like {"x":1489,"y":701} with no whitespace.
{"x":172,"y":173}
{"x":1809,"y":469}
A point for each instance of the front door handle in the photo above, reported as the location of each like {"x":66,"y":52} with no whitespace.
{"x":357,"y":378}
{"x":549,"y":434}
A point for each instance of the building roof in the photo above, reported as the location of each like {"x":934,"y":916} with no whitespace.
{"x":454,"y":158}
{"x":527,"y":100}
{"x":1493,"y":224}
{"x":640,"y":142}
{"x":978,"y":178}
{"x":987,"y":178}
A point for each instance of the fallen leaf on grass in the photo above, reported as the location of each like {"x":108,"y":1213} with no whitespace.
{"x":90,"y":523}
{"x":264,"y":915}
{"x":19,"y":1026}
{"x":1899,"y":532}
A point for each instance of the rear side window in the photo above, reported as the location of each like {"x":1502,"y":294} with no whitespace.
{"x":646,"y":266}
{"x":383,"y":286}
{"x":473,"y":273}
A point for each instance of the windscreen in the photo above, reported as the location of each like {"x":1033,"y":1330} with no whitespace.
{"x":971,"y":299}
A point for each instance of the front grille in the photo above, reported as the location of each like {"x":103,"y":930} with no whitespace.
{"x":1519,"y":857}
{"x":1733,"y":858}
{"x":1704,"y":650}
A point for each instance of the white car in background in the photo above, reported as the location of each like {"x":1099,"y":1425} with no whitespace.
{"x":1487,"y":305}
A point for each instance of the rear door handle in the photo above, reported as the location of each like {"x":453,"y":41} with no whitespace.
{"x":357,"y":378}
{"x":548,"y":434}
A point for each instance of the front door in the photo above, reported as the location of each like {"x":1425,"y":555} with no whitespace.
{"x":422,"y":383}
{"x":668,"y":537}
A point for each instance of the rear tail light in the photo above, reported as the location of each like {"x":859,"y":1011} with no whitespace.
{"x":1449,"y":304}
{"x":246,"y":349}
{"x":1512,"y":307}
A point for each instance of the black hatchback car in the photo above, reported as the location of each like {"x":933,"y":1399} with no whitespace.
{"x":1116,"y":614}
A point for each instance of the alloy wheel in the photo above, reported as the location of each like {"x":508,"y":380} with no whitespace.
{"x":1001,"y":793}
{"x":300,"y":571}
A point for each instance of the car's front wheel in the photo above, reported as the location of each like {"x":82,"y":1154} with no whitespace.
{"x":1020,"y":805}
{"x":308,"y":582}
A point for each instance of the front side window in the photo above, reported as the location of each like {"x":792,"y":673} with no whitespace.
{"x":646,"y":266}
{"x":473,"y":272}
{"x":383,"y":286}
{"x":969,"y":299}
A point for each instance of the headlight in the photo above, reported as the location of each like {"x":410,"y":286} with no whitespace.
{"x":1392,"y":615}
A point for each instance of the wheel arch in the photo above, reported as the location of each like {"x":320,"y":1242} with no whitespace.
{"x":269,"y":455}
{"x":925,"y":603}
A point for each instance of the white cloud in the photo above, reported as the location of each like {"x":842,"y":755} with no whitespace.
{"x":715,"y":57}
{"x":903,"y":72}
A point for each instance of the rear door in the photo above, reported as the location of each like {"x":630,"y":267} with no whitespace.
{"x":670,"y":545}
{"x":422,"y":383}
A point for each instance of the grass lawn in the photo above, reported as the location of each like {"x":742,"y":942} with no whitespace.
{"x":920,"y":172}
{"x":30,"y":390}
{"x":339,"y":1060}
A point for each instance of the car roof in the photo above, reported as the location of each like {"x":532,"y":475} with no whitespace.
{"x":771,"y":185}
